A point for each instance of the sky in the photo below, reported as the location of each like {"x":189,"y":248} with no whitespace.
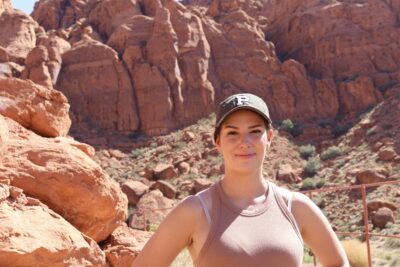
{"x":24,"y":5}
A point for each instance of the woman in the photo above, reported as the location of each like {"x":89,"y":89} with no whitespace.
{"x":243,"y":220}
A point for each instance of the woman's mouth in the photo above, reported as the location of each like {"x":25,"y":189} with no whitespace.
{"x":245,"y":155}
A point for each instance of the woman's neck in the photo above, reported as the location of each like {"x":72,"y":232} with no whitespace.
{"x":244,"y":187}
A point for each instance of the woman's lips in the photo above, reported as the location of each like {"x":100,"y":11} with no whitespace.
{"x":245,"y":155}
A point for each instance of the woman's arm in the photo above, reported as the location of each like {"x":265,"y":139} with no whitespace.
{"x":172,"y":236}
{"x":317,"y":233}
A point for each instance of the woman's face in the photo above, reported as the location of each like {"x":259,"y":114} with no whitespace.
{"x":243,"y":141}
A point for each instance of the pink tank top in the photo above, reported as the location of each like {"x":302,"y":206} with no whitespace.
{"x":266,"y":237}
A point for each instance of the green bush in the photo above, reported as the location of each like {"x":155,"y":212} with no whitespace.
{"x":287,"y":125}
{"x":308,"y":184}
{"x":293,"y":128}
{"x":307,"y":151}
{"x":331,"y":153}
{"x":320,"y":183}
{"x":312,"y":166}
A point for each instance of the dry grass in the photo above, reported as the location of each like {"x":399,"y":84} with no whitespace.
{"x":356,"y":252}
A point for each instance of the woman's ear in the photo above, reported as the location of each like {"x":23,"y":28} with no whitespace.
{"x":270,"y":134}
{"x":218,"y":143}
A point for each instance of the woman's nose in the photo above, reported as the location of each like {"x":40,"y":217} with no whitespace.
{"x":245,"y":139}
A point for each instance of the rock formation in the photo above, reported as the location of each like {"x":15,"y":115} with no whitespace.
{"x":18,"y":34}
{"x":309,"y":60}
{"x":123,"y":245}
{"x":40,"y":109}
{"x":99,"y":86}
{"x":33,"y":235}
{"x":47,"y":12}
{"x":62,"y":175}
{"x":5,"y":5}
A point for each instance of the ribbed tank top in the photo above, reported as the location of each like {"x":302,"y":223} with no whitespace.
{"x":265,"y":237}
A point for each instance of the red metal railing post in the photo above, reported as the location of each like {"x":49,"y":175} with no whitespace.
{"x":364,"y":199}
{"x":144,"y":220}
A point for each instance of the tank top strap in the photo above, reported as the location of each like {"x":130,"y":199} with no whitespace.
{"x":215,"y":213}
{"x":285,"y":210}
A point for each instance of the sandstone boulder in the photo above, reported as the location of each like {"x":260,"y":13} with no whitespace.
{"x":381,"y":217}
{"x":5,"y":71}
{"x":164,"y":171}
{"x":40,"y":109}
{"x":186,"y":187}
{"x":376,"y":204}
{"x":387,"y":154}
{"x":98,"y":87}
{"x":34,"y":235}
{"x":151,"y":210}
{"x":134,"y":190}
{"x":371,"y":176}
{"x":63,"y":177}
{"x":36,"y":68}
{"x":184,"y":167}
{"x":55,"y":42}
{"x":123,"y":245}
{"x":201,"y":184}
{"x":167,"y":189}
{"x":188,"y":136}
{"x":286,"y":173}
{"x":17,"y":34}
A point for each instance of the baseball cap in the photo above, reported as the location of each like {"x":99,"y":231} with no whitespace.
{"x":241,"y":101}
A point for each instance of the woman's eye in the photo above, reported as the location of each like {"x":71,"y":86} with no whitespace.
{"x":256,"y":131}
{"x":231,"y":133}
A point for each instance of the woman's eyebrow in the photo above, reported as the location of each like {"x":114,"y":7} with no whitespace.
{"x":231,"y":126}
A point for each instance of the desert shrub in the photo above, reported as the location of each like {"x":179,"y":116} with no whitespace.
{"x":308,"y":184}
{"x":320,"y":183}
{"x":331,"y":153}
{"x":340,"y":130}
{"x":319,"y":201}
{"x":137,"y":153}
{"x":307,"y":151}
{"x":152,"y":227}
{"x":356,"y":252}
{"x":287,"y":125}
{"x":292,"y":128}
{"x":312,"y":166}
{"x":393,"y":243}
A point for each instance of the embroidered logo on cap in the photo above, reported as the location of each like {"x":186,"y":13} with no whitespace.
{"x":241,"y":99}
